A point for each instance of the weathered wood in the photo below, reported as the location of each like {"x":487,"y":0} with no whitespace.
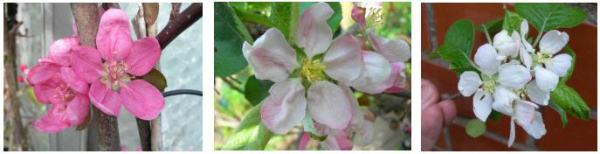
{"x":107,"y":131}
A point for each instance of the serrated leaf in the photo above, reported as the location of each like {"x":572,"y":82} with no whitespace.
{"x":475,"y":128}
{"x":256,"y":90}
{"x":157,"y":79}
{"x":569,"y":100}
{"x":561,"y":112}
{"x":550,"y":15}
{"x":230,"y":34}
{"x":457,"y":46}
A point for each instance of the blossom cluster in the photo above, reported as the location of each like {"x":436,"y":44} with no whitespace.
{"x":315,"y":82}
{"x":514,"y":78}
{"x":72,"y":74}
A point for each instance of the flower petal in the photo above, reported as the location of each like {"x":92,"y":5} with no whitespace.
{"x":511,"y":137}
{"x":87,"y":63}
{"x":105,"y":99}
{"x":560,"y":64}
{"x":375,"y":74}
{"x":77,"y":84}
{"x":78,"y":109}
{"x":482,"y":105}
{"x":468,"y":83}
{"x":398,"y":78}
{"x":313,"y":34}
{"x":514,"y":76}
{"x":114,"y":39}
{"x":338,"y":141}
{"x":507,"y":45}
{"x":526,"y":58}
{"x":45,"y":92}
{"x":143,"y":56}
{"x":42,"y":72}
{"x":553,"y":41}
{"x":545,"y":79}
{"x":142,"y":99}
{"x":343,"y":61}
{"x":536,"y":94}
{"x":271,"y":56}
{"x":53,"y":121}
{"x":503,"y":100}
{"x":524,"y":112}
{"x":284,"y":107}
{"x":394,"y":50}
{"x":329,"y":105}
{"x":60,"y":50}
{"x":536,"y":127}
{"x":487,"y":59}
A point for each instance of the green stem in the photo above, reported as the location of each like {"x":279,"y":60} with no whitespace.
{"x":254,"y":18}
{"x":487,"y":34}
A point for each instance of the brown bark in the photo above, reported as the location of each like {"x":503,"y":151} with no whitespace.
{"x":179,"y":24}
{"x":107,"y":130}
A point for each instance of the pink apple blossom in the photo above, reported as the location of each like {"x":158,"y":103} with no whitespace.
{"x":54,"y":83}
{"x":114,"y":68}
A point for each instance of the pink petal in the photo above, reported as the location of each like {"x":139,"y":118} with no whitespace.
{"x":398,"y":78}
{"x":143,"y":56}
{"x":42,"y":72}
{"x":105,"y":99}
{"x":358,"y":14}
{"x":142,"y":99}
{"x":78,"y":109}
{"x":87,"y":63}
{"x":375,"y":75}
{"x":329,"y":105}
{"x":60,"y":50}
{"x":76,"y":83}
{"x":344,"y":59}
{"x":313,"y":34}
{"x":271,"y":56}
{"x":393,"y":50}
{"x":43,"y":93}
{"x":285,"y":106}
{"x":54,"y":120}
{"x":114,"y":39}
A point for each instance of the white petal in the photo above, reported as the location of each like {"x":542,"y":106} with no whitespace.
{"x":376,"y":72}
{"x":313,"y":33}
{"x":328,"y":104}
{"x":511,"y":137}
{"x":482,"y":105}
{"x":524,"y":28}
{"x":284,"y":107}
{"x":486,"y":59}
{"x":271,"y":56}
{"x":526,"y":58}
{"x":507,"y":45}
{"x":344,"y":59}
{"x":536,"y":94}
{"x":553,"y":41}
{"x":394,"y":50}
{"x":524,"y":112}
{"x":536,"y":127}
{"x":514,"y":76}
{"x":560,"y":64}
{"x":469,"y":83}
{"x":545,"y":79}
{"x":503,"y":100}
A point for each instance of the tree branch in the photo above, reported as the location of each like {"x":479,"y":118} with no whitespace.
{"x":175,"y":26}
{"x":87,"y":19}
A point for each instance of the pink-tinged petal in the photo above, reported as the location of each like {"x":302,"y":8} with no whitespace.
{"x":376,"y":71}
{"x":284,"y":107}
{"x":271,"y":56}
{"x":143,"y":56}
{"x":54,"y":121}
{"x":77,"y":84}
{"x":42,"y":72}
{"x":344,"y":59}
{"x":304,"y":140}
{"x":105,"y":99}
{"x":338,"y":141}
{"x":87,"y":63}
{"x":78,"y":109}
{"x":142,"y":99}
{"x":329,"y":105}
{"x":398,"y":78}
{"x":393,"y":50}
{"x":358,"y":14}
{"x":114,"y":39}
{"x":313,"y":34}
{"x":60,"y":50}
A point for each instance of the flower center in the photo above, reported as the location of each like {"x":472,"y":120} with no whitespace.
{"x":64,"y":93}
{"x":489,"y":84}
{"x":115,"y":74}
{"x":312,"y":70}
{"x":541,"y":57}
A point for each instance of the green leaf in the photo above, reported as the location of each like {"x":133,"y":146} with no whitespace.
{"x":256,"y":90}
{"x":457,"y":46}
{"x":230,"y":34}
{"x":334,"y":20}
{"x":260,"y":139}
{"x":475,"y":128}
{"x":252,"y":118}
{"x":548,"y":16}
{"x":250,"y":134}
{"x":511,"y":22}
{"x":492,"y":26}
{"x":495,"y":115}
{"x":281,"y":17}
{"x":157,"y":79}
{"x":569,"y":100}
{"x":561,"y":112}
